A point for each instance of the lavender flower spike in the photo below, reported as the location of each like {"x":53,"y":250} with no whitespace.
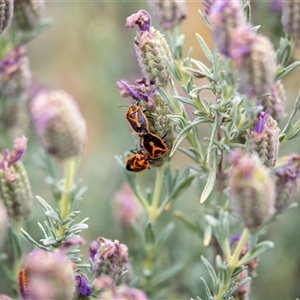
{"x":252,"y":190}
{"x":287,"y":183}
{"x":151,"y":48}
{"x":264,"y":139}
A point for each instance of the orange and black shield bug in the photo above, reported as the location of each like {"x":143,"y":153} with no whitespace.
{"x":154,"y":145}
{"x":137,"y":162}
{"x":24,"y":282}
{"x":137,"y":119}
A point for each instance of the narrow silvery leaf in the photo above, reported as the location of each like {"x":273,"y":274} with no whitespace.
{"x":207,"y":293}
{"x":210,"y":270}
{"x":210,"y":183}
{"x":259,"y":249}
{"x":283,"y":72}
{"x":183,"y":134}
{"x":205,"y":49}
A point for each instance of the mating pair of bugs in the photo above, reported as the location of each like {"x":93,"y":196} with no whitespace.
{"x":151,"y":146}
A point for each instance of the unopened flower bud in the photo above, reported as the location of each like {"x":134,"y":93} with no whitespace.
{"x":58,"y":123}
{"x":287,"y":183}
{"x":28,"y":13}
{"x":274,"y":101}
{"x":290,"y":18}
{"x":6,"y":13}
{"x":127,"y":206}
{"x":15,"y":75}
{"x":252,"y":190}
{"x":152,"y":49}
{"x":15,"y":189}
{"x":83,"y":288}
{"x":3,"y":223}
{"x":168,"y":14}
{"x":51,"y":276}
{"x":263,"y":139}
{"x":110,"y":258}
{"x":225,"y":17}
{"x":254,"y":59}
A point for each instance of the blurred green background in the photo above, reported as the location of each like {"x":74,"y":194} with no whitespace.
{"x":85,"y":52}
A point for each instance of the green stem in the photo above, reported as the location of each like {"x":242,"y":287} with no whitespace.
{"x":70,"y":166}
{"x":141,"y":197}
{"x":233,"y":262}
{"x":154,"y":208}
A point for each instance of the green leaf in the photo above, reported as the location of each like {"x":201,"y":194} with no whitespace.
{"x":42,"y":230}
{"x":258,"y":250}
{"x":184,"y":100}
{"x":41,"y":27}
{"x":183,"y":134}
{"x":206,"y":290}
{"x":177,"y":185}
{"x":186,"y":220}
{"x":285,"y":71}
{"x":168,"y":274}
{"x":149,"y":234}
{"x":209,"y":185}
{"x":205,"y":49}
{"x":49,"y":241}
{"x":210,"y":270}
{"x":191,"y":154}
{"x":163,"y":236}
{"x":32,"y":241}
{"x":236,"y":287}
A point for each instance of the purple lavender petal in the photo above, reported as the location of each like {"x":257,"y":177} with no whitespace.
{"x":84,"y":289}
{"x":263,"y":116}
{"x":93,"y":248}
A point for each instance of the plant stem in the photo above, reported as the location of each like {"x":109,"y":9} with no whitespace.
{"x":233,"y":262}
{"x":154,"y":208}
{"x":65,"y":200}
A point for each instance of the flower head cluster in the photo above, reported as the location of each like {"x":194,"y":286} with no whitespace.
{"x":252,"y":54}
{"x":287,"y":183}
{"x":252,"y":190}
{"x":58,"y":123}
{"x":50,"y":276}
{"x":28,"y":14}
{"x":110,"y":258}
{"x":254,"y":59}
{"x":15,"y":189}
{"x":6,"y":13}
{"x":225,"y":16}
{"x":291,"y":18}
{"x":15,"y":75}
{"x":263,"y":139}
{"x":151,"y":48}
{"x":274,"y":102}
{"x":169,"y":14}
{"x":108,"y":290}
